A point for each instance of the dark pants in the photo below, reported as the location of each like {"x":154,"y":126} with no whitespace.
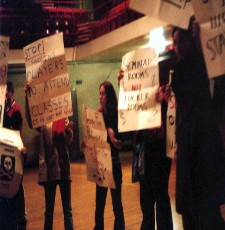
{"x":101,"y":193}
{"x":154,"y":190}
{"x":12,"y":212}
{"x":50,"y":192}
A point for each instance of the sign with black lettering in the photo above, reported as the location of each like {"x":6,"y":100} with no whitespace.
{"x":11,"y":170}
{"x":49,"y":98}
{"x":137,"y":107}
{"x":4,"y":50}
{"x":211,"y":16}
{"x":175,"y":12}
{"x":96,"y":149}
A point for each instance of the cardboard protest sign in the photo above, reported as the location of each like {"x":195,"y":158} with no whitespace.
{"x":175,"y":12}
{"x":4,"y":50}
{"x":96,"y":150}
{"x":210,"y":15}
{"x":137,"y":107}
{"x":171,"y":145}
{"x":11,"y":170}
{"x":46,"y":69}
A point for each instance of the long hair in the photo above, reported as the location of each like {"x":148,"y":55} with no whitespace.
{"x":110,"y":96}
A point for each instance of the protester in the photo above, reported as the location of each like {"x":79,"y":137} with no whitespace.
{"x":200,"y":171}
{"x":108,"y":107}
{"x":154,"y":182}
{"x":13,"y":213}
{"x":54,"y":166}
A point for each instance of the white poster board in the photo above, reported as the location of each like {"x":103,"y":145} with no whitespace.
{"x":46,"y":70}
{"x":4,"y":50}
{"x":137,"y":107}
{"x":11,"y":170}
{"x":175,"y":12}
{"x":96,"y":150}
{"x":210,"y":15}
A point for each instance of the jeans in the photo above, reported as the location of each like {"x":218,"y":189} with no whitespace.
{"x":101,"y":193}
{"x":50,"y":192}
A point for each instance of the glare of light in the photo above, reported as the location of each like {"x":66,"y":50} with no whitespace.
{"x":47,"y":31}
{"x":157,"y":40}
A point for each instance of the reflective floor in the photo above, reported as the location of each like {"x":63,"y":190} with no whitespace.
{"x":83,"y":199}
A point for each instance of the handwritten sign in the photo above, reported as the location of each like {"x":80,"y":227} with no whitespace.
{"x":11,"y":170}
{"x":210,"y":14}
{"x":46,"y":69}
{"x":175,"y":12}
{"x":137,"y":107}
{"x":97,"y":151}
{"x":4,"y":50}
{"x":171,"y":145}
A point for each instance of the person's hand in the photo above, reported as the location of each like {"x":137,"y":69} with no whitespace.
{"x":120,"y":75}
{"x":69,"y":126}
{"x":196,"y":30}
{"x":23,"y":151}
{"x":159,"y":95}
{"x":222,"y":211}
{"x":27,"y":88}
{"x":167,"y":93}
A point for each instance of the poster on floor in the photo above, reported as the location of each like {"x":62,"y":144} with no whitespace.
{"x":210,"y":15}
{"x":11,"y":170}
{"x":137,"y":105}
{"x":4,"y":50}
{"x":96,"y":149}
{"x":49,"y":98}
{"x":175,"y":12}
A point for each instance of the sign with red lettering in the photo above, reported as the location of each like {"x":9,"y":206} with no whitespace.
{"x":137,"y":107}
{"x":49,"y":98}
{"x":4,"y":50}
{"x":211,"y":15}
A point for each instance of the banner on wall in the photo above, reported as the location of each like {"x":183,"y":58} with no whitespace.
{"x":175,"y":12}
{"x":4,"y":50}
{"x":11,"y":170}
{"x":210,"y":15}
{"x":46,"y":69}
{"x":96,"y":149}
{"x":137,"y":107}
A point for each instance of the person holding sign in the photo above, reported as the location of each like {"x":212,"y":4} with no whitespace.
{"x":200,"y":166}
{"x":13,"y":212}
{"x":154,"y":182}
{"x":108,"y":107}
{"x":54,"y":166}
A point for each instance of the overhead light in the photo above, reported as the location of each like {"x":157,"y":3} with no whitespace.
{"x":157,"y":40}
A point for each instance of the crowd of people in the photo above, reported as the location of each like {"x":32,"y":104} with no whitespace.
{"x":200,"y":156}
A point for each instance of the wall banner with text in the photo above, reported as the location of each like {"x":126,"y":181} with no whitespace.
{"x":175,"y":12}
{"x":11,"y":170}
{"x":210,"y":14}
{"x":46,"y":69}
{"x":4,"y":50}
{"x":137,"y":107}
{"x":96,"y":149}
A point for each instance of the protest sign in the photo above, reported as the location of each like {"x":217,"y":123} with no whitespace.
{"x":175,"y":12}
{"x":171,"y":145}
{"x":49,"y":98}
{"x":137,"y":107}
{"x":11,"y":170}
{"x":210,"y":14}
{"x":96,"y":149}
{"x":4,"y":50}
